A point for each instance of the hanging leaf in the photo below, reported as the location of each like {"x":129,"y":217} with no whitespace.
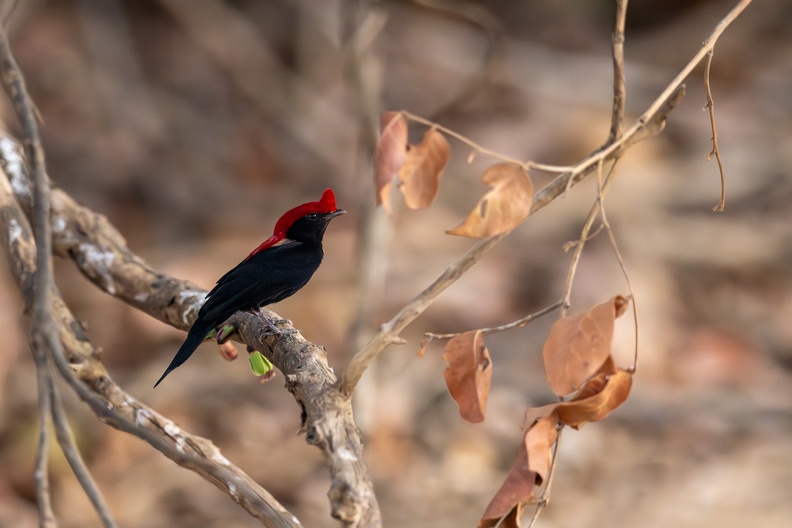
{"x":423,"y":165}
{"x":389,"y":155}
{"x":468,"y":374}
{"x":578,"y":346}
{"x":503,"y":208}
{"x":529,"y":470}
{"x":601,"y":395}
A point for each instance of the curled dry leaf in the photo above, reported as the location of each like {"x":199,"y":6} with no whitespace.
{"x":423,"y":165}
{"x":529,"y":470}
{"x":596,"y":400}
{"x":389,"y":155}
{"x":577,"y":347}
{"x":601,"y":395}
{"x":468,"y":374}
{"x":503,"y":208}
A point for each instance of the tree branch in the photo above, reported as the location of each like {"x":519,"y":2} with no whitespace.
{"x":55,"y":333}
{"x":649,"y":123}
{"x":112,"y":405}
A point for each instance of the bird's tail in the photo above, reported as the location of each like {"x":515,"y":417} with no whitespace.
{"x":195,"y":337}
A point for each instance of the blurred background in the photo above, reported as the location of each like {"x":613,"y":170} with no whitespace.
{"x":194,"y":125}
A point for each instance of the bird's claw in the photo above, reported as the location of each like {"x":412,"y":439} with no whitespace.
{"x":274,"y":330}
{"x":270,"y":323}
{"x":224,"y":333}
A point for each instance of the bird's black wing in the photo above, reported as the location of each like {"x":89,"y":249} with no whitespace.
{"x":262,"y":279}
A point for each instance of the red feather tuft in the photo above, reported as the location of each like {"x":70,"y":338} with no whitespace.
{"x":327,"y":204}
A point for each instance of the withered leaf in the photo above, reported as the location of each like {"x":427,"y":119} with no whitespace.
{"x":577,"y":346}
{"x":503,"y":207}
{"x":423,"y":165}
{"x":389,"y":155}
{"x":529,"y":470}
{"x":539,"y":441}
{"x":601,"y":395}
{"x":468,"y":374}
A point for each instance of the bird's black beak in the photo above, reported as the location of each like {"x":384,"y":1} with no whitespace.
{"x":337,"y":212}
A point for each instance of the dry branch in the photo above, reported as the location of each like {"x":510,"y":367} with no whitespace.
{"x":114,"y":406}
{"x":649,"y":123}
{"x":101,"y":254}
{"x":56,"y":334}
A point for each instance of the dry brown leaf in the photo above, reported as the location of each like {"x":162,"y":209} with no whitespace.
{"x":468,"y":374}
{"x":529,"y":470}
{"x":601,"y":395}
{"x":423,"y":165}
{"x":577,"y":347}
{"x":422,"y":350}
{"x":539,"y":441}
{"x":503,"y":208}
{"x":389,"y":155}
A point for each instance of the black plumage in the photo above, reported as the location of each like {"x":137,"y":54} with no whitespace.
{"x":275,"y":270}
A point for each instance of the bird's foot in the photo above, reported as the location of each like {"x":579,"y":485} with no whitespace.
{"x":224,"y":333}
{"x":270,"y":323}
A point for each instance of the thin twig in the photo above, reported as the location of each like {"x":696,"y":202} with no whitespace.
{"x":43,"y":496}
{"x":544,"y":498}
{"x":508,"y":326}
{"x":619,"y":87}
{"x":66,"y":442}
{"x":580,"y":243}
{"x":715,"y":151}
{"x":527,"y":165}
{"x":615,"y":247}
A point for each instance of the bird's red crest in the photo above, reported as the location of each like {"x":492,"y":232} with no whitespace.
{"x":326,"y":204}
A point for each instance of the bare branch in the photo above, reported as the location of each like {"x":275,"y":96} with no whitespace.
{"x":479,"y":149}
{"x":715,"y":151}
{"x":43,"y":496}
{"x":619,"y":88}
{"x":76,"y":357}
{"x":389,"y":332}
{"x":66,"y":442}
{"x":649,"y":123}
{"x":101,"y":254}
{"x":508,"y":326}
{"x":42,"y":324}
{"x":53,"y":332}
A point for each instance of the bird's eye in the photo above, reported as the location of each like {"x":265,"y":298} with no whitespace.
{"x":313,"y":216}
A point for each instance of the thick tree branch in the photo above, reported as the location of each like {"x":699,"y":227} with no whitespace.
{"x":114,"y":406}
{"x":55,"y":333}
{"x":101,"y":254}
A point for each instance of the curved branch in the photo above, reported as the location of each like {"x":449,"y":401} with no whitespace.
{"x":649,"y":123}
{"x":76,"y":358}
{"x":55,"y":333}
{"x":101,"y":254}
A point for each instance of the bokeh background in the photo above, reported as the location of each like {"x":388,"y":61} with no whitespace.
{"x":194,"y":125}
